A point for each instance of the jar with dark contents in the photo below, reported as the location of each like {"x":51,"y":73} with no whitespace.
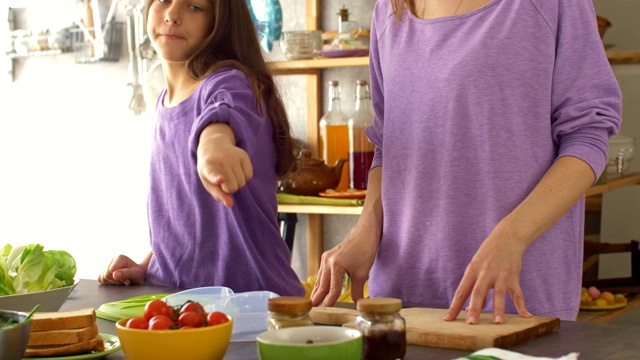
{"x":383,"y":329}
{"x":288,"y":311}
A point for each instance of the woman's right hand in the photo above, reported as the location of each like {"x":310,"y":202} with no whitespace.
{"x":354,"y":257}
{"x":123,"y":271}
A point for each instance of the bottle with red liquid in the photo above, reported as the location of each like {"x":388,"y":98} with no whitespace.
{"x":360,"y":148}
{"x":383,"y":329}
{"x":334,"y":134}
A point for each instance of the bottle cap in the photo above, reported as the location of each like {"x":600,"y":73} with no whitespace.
{"x":379,"y":305}
{"x":289,"y":304}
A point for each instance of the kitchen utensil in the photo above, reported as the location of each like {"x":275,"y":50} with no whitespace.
{"x":425,"y":327}
{"x":267,"y":19}
{"x":13,"y":339}
{"x":310,"y":342}
{"x":116,"y":310}
{"x":204,"y":343}
{"x":312,"y":176}
{"x":249,"y":311}
{"x":49,"y":300}
{"x":298,"y":45}
{"x":202,"y":295}
{"x":621,"y":149}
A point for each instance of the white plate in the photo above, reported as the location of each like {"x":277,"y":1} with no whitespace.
{"x":49,"y":300}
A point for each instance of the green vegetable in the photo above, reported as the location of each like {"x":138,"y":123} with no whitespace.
{"x":30,"y":268}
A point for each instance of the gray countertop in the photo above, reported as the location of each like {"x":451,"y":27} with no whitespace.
{"x":592,"y":341}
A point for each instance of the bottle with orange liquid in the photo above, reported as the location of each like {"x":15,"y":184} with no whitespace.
{"x":361,"y":149}
{"x":334,"y":134}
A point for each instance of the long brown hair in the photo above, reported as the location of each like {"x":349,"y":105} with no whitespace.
{"x":233,"y":42}
{"x":397,"y":6}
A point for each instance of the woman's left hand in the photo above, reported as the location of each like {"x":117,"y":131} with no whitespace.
{"x":496,"y":265}
{"x":223,"y":167}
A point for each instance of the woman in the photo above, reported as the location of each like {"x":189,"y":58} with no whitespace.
{"x":491,"y":121}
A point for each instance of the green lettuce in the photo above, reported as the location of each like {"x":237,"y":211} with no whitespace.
{"x":31,"y":269}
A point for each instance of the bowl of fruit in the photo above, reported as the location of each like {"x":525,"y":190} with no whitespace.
{"x":594,"y":299}
{"x":175,"y":332}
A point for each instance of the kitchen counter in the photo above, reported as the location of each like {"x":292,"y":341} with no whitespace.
{"x":592,"y":341}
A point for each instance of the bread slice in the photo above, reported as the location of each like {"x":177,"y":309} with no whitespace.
{"x":62,"y":337}
{"x":95,"y":344}
{"x":61,"y":320}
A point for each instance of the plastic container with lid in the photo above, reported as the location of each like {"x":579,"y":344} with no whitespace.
{"x":288,"y":311}
{"x":382,"y":327}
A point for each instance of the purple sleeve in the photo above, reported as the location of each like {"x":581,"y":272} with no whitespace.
{"x":375,"y":131}
{"x":586,"y":98}
{"x":228,"y":99}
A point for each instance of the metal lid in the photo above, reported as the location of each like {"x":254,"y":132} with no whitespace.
{"x":289,"y":304}
{"x":379,"y":305}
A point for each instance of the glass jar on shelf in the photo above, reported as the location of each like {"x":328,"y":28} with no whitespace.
{"x":334,"y":134}
{"x":361,"y":150}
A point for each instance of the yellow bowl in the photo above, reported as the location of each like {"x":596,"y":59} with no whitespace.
{"x":206,"y":343}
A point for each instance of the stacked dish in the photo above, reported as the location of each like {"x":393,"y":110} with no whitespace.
{"x":299,"y":45}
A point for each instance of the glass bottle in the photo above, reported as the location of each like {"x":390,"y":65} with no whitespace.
{"x":288,"y":311}
{"x":347,"y":30}
{"x":360,"y":148}
{"x":334,"y":134}
{"x":382,"y":328}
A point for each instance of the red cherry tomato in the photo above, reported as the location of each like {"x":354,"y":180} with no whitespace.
{"x":192,"y":307}
{"x":216,"y":318}
{"x":138,"y":323}
{"x":160,"y":322}
{"x":191,"y":319}
{"x":156,"y":307}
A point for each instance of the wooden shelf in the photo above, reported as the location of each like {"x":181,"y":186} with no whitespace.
{"x":623,"y":57}
{"x":320,"y":209}
{"x":614,"y":183}
{"x":302,"y":67}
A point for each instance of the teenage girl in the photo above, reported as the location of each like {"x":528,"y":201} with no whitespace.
{"x":222,"y":139}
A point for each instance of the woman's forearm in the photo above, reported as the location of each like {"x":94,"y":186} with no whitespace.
{"x":371,"y":216}
{"x":563,"y":184}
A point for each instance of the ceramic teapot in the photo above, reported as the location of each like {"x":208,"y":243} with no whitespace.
{"x":312,"y":177}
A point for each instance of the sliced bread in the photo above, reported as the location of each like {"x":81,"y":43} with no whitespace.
{"x":62,"y":337}
{"x":61,"y":320}
{"x":95,"y":344}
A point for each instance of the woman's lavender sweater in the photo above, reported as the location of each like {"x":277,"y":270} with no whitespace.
{"x":471,"y":110}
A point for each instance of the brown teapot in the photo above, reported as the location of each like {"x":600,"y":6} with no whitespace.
{"x":312,"y":177}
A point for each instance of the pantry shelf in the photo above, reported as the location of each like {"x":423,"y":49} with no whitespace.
{"x":623,"y":57}
{"x":303,"y":67}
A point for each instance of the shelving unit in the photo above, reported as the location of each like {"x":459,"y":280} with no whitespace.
{"x":312,"y":69}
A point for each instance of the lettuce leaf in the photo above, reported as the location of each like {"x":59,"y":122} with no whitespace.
{"x":31,"y":269}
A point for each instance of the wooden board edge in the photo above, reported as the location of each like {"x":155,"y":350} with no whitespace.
{"x":525,"y":335}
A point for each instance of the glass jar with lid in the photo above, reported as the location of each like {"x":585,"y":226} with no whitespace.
{"x":288,"y":311}
{"x":383,"y":328}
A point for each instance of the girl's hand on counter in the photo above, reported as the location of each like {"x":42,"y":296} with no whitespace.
{"x":123,"y":271}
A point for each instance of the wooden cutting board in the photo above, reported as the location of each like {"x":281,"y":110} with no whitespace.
{"x":425,"y":327}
